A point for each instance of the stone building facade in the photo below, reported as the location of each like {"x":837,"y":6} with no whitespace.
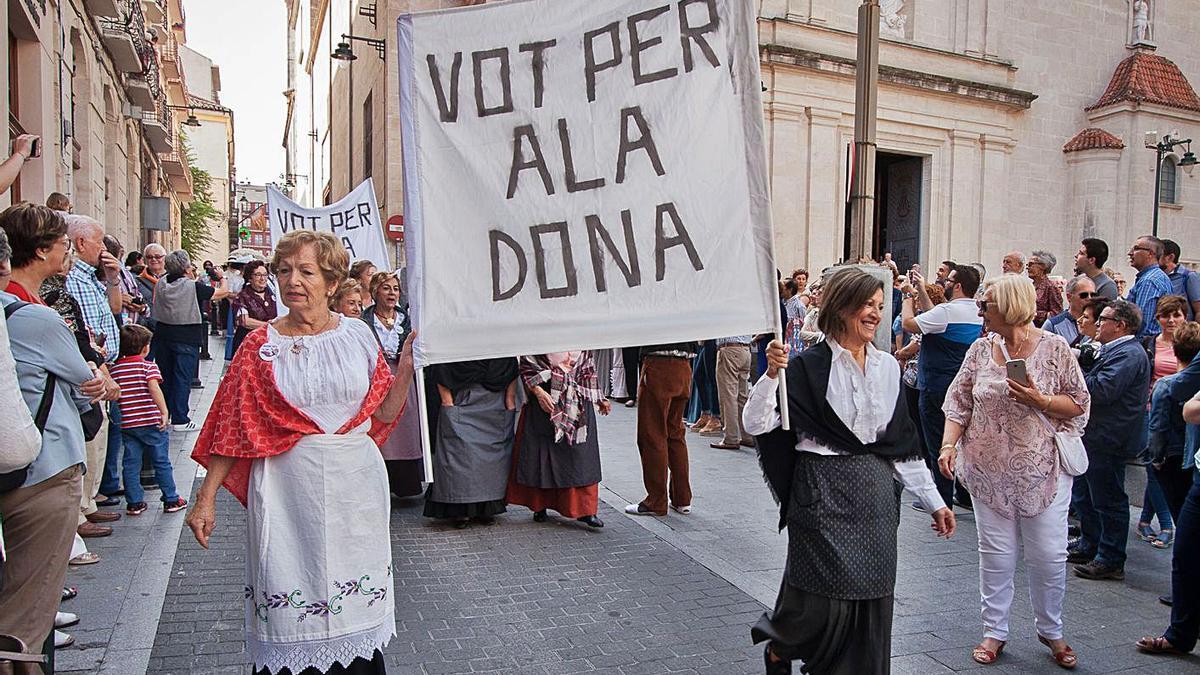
{"x":989,"y":115}
{"x":94,"y":78}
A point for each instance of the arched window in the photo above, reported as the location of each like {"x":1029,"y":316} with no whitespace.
{"x":1168,"y":182}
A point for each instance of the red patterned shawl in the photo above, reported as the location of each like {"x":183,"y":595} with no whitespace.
{"x":250,"y":419}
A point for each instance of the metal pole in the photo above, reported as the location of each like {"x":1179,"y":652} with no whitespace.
{"x":866,"y":104}
{"x":1157,"y":187}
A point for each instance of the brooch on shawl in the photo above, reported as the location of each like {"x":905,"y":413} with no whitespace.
{"x":268,"y":352}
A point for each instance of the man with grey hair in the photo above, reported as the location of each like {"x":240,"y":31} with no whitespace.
{"x":1013,"y":263}
{"x":1151,"y":283}
{"x":1119,"y":384}
{"x":94,"y":281}
{"x":1049,"y":298}
{"x":1080,"y":290}
{"x":179,"y":332}
{"x":154,"y":255}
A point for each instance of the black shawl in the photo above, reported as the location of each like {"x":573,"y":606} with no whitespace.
{"x":811,"y":415}
{"x":491,"y":374}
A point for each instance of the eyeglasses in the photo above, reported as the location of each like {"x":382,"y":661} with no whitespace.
{"x":983,"y":304}
{"x":1141,"y":248}
{"x":156,"y":257}
{"x":1102,"y":318}
{"x":1084,"y":295}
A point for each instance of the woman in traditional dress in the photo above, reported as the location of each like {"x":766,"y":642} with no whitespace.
{"x":293,"y":436}
{"x":473,"y":440}
{"x":254,"y":305}
{"x":834,"y":475}
{"x":390,"y":324}
{"x":556,"y":460}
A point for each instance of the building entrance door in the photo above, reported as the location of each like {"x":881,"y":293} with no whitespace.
{"x":898,"y":212}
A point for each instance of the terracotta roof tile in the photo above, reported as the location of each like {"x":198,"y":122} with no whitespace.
{"x":1145,"y":77}
{"x":1093,"y":139}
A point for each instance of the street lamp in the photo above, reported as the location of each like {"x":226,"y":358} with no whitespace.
{"x":1162,"y":148}
{"x":343,"y":52}
{"x":192,"y":120}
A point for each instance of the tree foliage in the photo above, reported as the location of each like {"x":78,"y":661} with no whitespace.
{"x":197,"y":216}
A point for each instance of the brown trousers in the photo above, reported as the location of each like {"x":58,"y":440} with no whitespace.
{"x":39,"y":528}
{"x":666,"y":384}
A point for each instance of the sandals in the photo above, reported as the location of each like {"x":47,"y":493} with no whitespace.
{"x":1065,"y":659}
{"x":1145,"y":532}
{"x":985,"y":656}
{"x":1158,"y":645}
{"x":88,"y":558}
{"x":1164,"y":539}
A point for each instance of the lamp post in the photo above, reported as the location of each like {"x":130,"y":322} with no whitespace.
{"x":192,"y":120}
{"x":866,"y":110}
{"x":1162,"y":148}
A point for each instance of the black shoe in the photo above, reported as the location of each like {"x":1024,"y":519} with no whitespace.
{"x":1166,"y":600}
{"x":111,"y":501}
{"x":462,"y":523}
{"x":591,"y":521}
{"x":773,"y":667}
{"x":1099,"y":572}
{"x":1077,"y":557}
{"x":485,"y":520}
{"x":539,"y":516}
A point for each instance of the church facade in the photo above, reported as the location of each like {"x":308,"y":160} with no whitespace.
{"x":1003,"y":124}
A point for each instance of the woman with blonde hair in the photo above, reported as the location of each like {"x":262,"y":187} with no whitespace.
{"x":1003,"y":430}
{"x":347,"y":299}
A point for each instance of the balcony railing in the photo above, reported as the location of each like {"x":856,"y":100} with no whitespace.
{"x":158,"y":128}
{"x":125,"y":36}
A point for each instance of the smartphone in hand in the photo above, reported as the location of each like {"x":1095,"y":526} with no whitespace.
{"x":1016,"y":371}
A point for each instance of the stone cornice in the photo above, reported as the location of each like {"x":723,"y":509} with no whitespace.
{"x":838,"y":65}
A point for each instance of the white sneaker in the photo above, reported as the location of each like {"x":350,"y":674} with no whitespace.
{"x":638,"y":510}
{"x":61,"y":640}
{"x":681,"y":509}
{"x":190,"y":426}
{"x":65,"y":619}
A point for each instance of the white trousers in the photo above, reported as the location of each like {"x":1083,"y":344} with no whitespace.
{"x":1044,"y":537}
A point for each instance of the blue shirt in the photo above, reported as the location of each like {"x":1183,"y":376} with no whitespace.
{"x":1186,"y":283}
{"x":92,"y":297}
{"x":948,"y":331}
{"x":1150,"y":284}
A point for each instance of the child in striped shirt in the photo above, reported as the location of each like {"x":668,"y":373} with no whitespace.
{"x":144,"y":421}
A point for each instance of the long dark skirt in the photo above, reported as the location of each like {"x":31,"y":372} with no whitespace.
{"x":831,"y":636}
{"x":436,"y":509}
{"x":359,"y":666}
{"x":404,"y":476}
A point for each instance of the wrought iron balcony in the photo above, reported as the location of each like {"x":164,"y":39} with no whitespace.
{"x":125,"y":36}
{"x":157,"y":127}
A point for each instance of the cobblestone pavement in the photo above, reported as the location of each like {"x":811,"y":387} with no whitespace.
{"x":642,"y":595}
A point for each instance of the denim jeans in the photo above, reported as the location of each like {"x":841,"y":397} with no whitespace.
{"x":1154,"y":503}
{"x":178,"y":363}
{"x":110,"y":482}
{"x":154,"y":440}
{"x":706,"y":379}
{"x":1102,"y":506}
{"x":933,"y":421}
{"x":1185,"y":581}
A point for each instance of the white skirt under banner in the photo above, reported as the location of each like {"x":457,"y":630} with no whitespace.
{"x":319,"y":561}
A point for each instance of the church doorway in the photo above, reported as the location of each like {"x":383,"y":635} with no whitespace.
{"x":899,"y":186}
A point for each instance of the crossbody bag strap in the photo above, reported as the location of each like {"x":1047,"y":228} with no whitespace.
{"x":43,"y":411}
{"x":1040,"y":414}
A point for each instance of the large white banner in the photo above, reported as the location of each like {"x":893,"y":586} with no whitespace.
{"x":584,"y":174}
{"x":354,"y":220}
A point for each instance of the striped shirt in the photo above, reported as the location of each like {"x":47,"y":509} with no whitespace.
{"x":92,"y":297}
{"x":133,"y":375}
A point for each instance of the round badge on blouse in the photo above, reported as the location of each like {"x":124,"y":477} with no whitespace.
{"x":268,"y":352}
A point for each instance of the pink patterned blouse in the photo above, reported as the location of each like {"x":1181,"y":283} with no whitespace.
{"x":1007,"y":457}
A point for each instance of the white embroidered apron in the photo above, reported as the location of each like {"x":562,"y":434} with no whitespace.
{"x":319,"y":563}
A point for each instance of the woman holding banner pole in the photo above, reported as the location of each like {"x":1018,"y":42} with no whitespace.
{"x":293,"y":435}
{"x":834,"y":476}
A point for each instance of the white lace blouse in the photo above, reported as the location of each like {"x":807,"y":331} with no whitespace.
{"x":326,"y":376}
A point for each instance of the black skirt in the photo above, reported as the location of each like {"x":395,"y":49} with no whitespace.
{"x":436,"y":509}
{"x":831,"y":636}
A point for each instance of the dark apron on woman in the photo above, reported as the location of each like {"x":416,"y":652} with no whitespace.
{"x":473,"y":453}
